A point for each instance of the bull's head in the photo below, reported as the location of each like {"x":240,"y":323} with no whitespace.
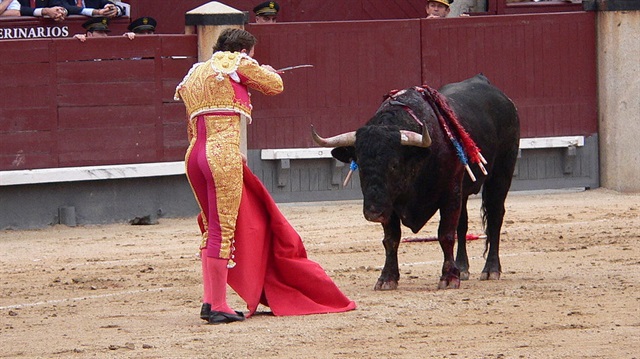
{"x":387,"y":167}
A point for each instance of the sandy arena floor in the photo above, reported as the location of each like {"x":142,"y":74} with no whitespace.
{"x":570,"y":289}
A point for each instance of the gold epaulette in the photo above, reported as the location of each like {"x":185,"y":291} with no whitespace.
{"x":224,"y":62}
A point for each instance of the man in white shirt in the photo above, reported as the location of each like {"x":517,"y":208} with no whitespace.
{"x":9,"y":8}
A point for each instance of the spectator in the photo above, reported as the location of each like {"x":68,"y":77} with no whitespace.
{"x":266,"y":12}
{"x":141,"y":26}
{"x":95,"y":27}
{"x":42,"y":8}
{"x":9,"y":8}
{"x":93,"y":8}
{"x":438,"y":9}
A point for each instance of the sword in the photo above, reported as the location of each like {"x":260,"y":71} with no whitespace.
{"x":292,"y":68}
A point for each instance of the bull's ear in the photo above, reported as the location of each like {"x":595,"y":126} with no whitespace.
{"x":344,"y":154}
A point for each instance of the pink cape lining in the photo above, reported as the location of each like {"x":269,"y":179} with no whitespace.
{"x":272,"y":266}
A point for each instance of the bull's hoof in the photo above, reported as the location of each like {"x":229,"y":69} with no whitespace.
{"x":388,"y":285}
{"x":449,"y":283}
{"x":464,"y":275}
{"x":490,"y":276}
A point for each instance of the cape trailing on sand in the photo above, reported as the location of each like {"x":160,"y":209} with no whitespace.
{"x":272,"y":265}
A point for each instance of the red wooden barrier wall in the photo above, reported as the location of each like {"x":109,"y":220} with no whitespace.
{"x":545,"y":63}
{"x":354,"y":65}
{"x":60,"y":108}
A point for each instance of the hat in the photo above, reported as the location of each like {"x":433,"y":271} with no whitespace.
{"x":143,"y":24}
{"x":267,"y":8}
{"x":97,"y":24}
{"x":446,"y":3}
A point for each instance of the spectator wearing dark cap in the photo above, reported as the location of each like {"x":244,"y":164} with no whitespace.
{"x":42,"y":8}
{"x":438,"y":9}
{"x":95,"y":27}
{"x":141,"y":26}
{"x":266,"y":12}
{"x":94,"y":8}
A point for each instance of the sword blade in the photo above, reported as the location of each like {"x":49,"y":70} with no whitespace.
{"x":292,"y":68}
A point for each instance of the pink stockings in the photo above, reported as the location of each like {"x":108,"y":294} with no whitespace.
{"x":214,"y":278}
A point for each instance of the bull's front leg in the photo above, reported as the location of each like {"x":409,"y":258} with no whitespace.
{"x":449,"y":216}
{"x":390,"y":273}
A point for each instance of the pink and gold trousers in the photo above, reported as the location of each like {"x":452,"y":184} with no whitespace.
{"x":214,"y":169}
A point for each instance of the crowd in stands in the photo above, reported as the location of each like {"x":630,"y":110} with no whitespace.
{"x":99,"y":12}
{"x":99,"y":27}
{"x":58,"y":10}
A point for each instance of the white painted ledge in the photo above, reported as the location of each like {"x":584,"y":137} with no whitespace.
{"x":90,"y":173}
{"x":296,"y":153}
{"x":137,"y":170}
{"x":551,"y":142}
{"x":325,"y":152}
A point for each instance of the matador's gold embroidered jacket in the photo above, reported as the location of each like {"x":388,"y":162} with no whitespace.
{"x":221,"y":84}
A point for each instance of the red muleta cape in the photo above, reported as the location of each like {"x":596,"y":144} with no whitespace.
{"x":272,"y":265}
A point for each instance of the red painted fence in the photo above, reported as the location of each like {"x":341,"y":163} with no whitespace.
{"x":60,"y":107}
{"x":107,"y":101}
{"x":545,"y":63}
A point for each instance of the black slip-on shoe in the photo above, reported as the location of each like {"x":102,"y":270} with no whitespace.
{"x":223,"y":318}
{"x":205,"y":311}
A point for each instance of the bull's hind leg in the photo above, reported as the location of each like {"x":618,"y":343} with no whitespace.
{"x":390,"y":273}
{"x":462,"y":260}
{"x":494,"y":195}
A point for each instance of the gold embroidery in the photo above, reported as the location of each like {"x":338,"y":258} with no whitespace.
{"x":267,"y":82}
{"x":225,"y":63}
{"x":207,"y":87}
{"x":225,"y":162}
{"x":202,"y":92}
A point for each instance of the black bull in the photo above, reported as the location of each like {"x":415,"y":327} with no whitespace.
{"x":406,"y":177}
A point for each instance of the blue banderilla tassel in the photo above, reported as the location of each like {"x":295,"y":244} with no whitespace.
{"x":461,"y":155}
{"x":352,"y":167}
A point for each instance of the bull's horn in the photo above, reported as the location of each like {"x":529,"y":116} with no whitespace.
{"x":410,"y":138}
{"x":342,"y":140}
